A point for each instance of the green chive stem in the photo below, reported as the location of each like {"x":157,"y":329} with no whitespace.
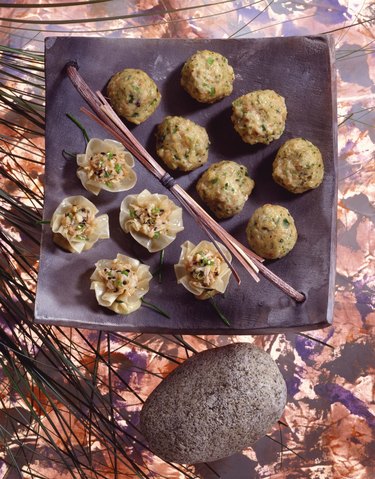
{"x":219,"y":312}
{"x":161,"y":263}
{"x":77,"y":123}
{"x":68,"y":156}
{"x":155,"y":308}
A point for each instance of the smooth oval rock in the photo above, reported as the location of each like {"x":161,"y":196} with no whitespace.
{"x":215,"y":404}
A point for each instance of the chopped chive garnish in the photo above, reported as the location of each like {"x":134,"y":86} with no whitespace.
{"x":207,"y":262}
{"x":118,"y":168}
{"x":125,"y":272}
{"x":156,"y":235}
{"x":210,"y":60}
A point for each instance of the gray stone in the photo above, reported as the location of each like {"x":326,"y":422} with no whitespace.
{"x":215,"y":404}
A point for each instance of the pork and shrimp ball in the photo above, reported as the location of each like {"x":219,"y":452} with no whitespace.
{"x":259,"y":116}
{"x":271,"y":231}
{"x":298,"y":166}
{"x":207,"y":76}
{"x":225,"y":187}
{"x":181,"y":143}
{"x":133,"y":95}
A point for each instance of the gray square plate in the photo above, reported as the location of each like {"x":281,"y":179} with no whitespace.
{"x":300,"y":69}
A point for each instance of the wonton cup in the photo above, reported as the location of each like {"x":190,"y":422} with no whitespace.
{"x":75,"y":227}
{"x":106,"y":165}
{"x":120,"y":283}
{"x":153,"y":220}
{"x":202,"y":270}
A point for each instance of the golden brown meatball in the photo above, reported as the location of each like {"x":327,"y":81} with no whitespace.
{"x":207,"y":76}
{"x":271,"y":231}
{"x":259,"y":116}
{"x":181,"y":143}
{"x":225,"y":187}
{"x":298,"y":166}
{"x":133,"y":95}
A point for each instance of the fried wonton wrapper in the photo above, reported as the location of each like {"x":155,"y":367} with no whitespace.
{"x":153,"y":220}
{"x":202,"y":270}
{"x":76,"y":227}
{"x":106,"y":165}
{"x":120,"y":283}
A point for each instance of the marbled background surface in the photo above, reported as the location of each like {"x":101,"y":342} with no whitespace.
{"x":330,"y":414}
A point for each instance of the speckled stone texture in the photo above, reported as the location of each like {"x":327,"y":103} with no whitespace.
{"x":217,"y":403}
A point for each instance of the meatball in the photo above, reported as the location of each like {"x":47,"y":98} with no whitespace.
{"x":271,"y":231}
{"x":259,"y":116}
{"x":133,"y":95}
{"x":298,"y":166}
{"x":207,"y":76}
{"x":225,"y":187}
{"x":181,"y":143}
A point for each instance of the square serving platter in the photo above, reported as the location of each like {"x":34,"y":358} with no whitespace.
{"x":299,"y":68}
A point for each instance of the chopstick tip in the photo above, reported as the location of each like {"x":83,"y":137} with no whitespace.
{"x":73,"y":64}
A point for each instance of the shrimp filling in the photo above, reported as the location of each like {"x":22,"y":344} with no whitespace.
{"x":119,"y":278}
{"x":150,"y":220}
{"x":204,"y":268}
{"x":78,"y":223}
{"x":107,"y":168}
